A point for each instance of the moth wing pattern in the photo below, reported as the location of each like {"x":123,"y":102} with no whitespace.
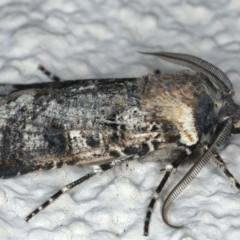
{"x":100,"y":120}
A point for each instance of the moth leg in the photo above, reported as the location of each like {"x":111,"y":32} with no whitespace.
{"x":220,"y":163}
{"x":169,"y":169}
{"x":96,"y":169}
{"x":53,"y":77}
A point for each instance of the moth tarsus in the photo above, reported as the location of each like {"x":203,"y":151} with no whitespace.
{"x":177,"y":118}
{"x":51,"y":76}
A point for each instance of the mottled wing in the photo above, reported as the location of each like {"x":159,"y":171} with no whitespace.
{"x":79,"y":122}
{"x":70,"y":123}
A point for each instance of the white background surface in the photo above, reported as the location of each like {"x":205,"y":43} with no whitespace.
{"x":89,"y":39}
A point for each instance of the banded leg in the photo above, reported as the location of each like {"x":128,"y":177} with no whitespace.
{"x":53,"y":77}
{"x":96,"y":169}
{"x":220,"y":163}
{"x":169,"y":169}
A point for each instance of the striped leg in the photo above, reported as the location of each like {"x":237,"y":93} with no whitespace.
{"x":96,"y":169}
{"x":220,"y":163}
{"x":53,"y":77}
{"x":169,"y":169}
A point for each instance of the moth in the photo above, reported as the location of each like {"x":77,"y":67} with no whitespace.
{"x":174,"y":118}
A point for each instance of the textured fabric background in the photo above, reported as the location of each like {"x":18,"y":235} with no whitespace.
{"x":100,"y":38}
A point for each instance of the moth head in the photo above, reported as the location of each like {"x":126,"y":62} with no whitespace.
{"x":219,"y":79}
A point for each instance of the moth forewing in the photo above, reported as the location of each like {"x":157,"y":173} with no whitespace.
{"x":173,"y":118}
{"x":49,"y":127}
